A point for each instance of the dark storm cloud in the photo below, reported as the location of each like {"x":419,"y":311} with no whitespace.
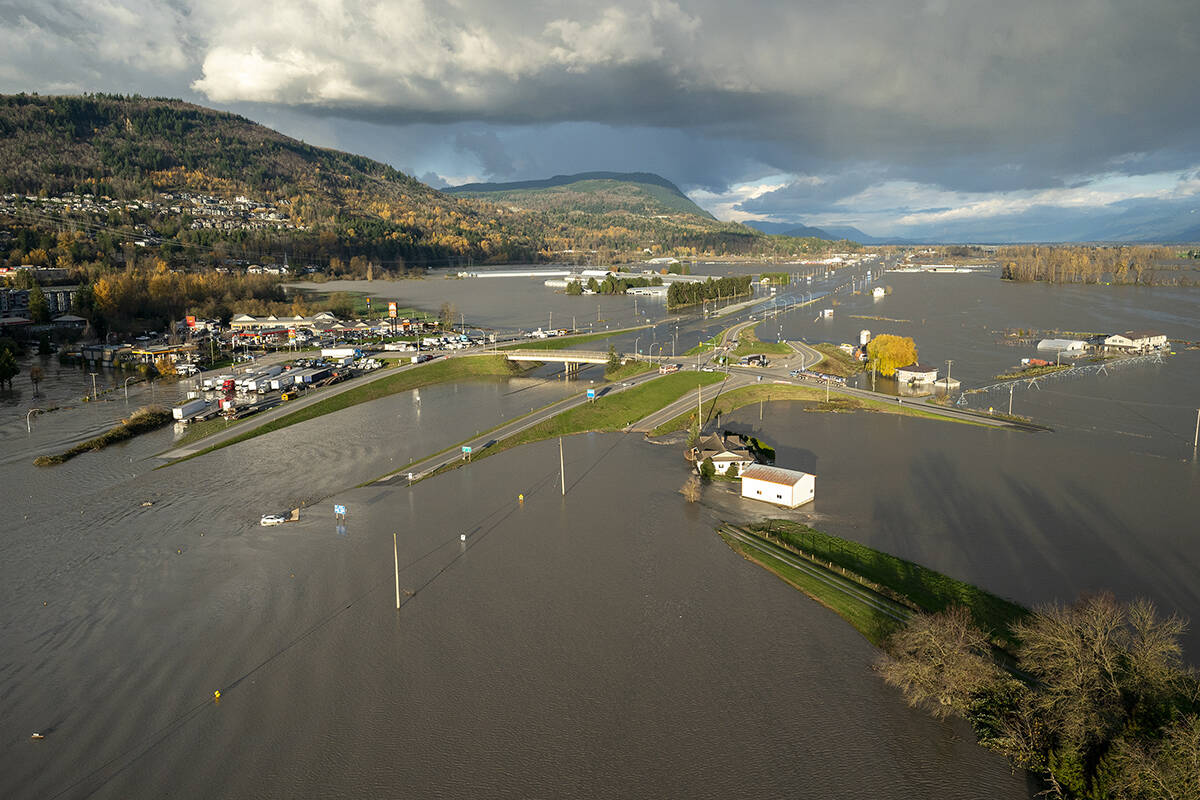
{"x":969,"y":95}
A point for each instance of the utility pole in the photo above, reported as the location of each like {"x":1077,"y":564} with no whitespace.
{"x":93,"y":374}
{"x":562,"y":470}
{"x":396,"y":559}
{"x":1011,"y":386}
{"x":1196,"y":438}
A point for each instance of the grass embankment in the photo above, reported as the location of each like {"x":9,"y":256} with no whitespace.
{"x":748,"y":395}
{"x":903,"y":582}
{"x":1033,"y":372}
{"x":563,"y":342}
{"x":442,"y":371}
{"x":866,"y":619}
{"x":199,"y":430}
{"x":707,"y":344}
{"x":836,"y":362}
{"x":749,"y":344}
{"x":606,"y":414}
{"x":628,"y":370}
{"x":140,"y":421}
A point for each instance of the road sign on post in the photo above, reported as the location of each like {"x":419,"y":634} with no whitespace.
{"x":392,"y":310}
{"x":591,"y":394}
{"x":466,"y":449}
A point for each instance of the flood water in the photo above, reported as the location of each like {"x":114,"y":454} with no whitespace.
{"x":587,"y":645}
{"x":602,"y":644}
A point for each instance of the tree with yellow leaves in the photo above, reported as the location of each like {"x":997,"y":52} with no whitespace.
{"x":887,"y":352}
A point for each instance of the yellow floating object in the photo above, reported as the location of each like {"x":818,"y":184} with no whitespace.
{"x":217,"y":695}
{"x":521,"y":498}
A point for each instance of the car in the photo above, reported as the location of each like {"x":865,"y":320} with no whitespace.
{"x":272,"y":519}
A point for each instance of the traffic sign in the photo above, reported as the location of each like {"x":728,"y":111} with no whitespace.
{"x":392,"y":310}
{"x":340,"y":510}
{"x":466,"y":449}
{"x":591,"y":394}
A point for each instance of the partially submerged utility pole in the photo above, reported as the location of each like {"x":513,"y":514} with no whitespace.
{"x":396,"y":559}
{"x":562,"y":470}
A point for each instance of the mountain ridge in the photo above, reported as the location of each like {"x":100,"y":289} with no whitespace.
{"x":633,"y":192}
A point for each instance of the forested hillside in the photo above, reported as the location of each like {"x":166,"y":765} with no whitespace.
{"x":193,"y":186}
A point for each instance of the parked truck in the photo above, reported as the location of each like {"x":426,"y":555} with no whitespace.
{"x":189,"y":409}
{"x":341,"y":352}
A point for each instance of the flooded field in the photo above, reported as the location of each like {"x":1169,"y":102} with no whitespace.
{"x":601,"y":644}
{"x":577,"y":645}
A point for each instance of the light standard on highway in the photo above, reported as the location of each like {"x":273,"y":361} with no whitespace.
{"x":127,"y":380}
{"x":636,"y":339}
{"x":32,"y":411}
{"x":93,"y":374}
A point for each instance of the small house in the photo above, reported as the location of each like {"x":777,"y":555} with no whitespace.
{"x":916,"y":373}
{"x":782,"y":487}
{"x":722,"y":454}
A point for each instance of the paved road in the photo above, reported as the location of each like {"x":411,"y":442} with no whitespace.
{"x":848,"y":587}
{"x":689,"y":402}
{"x":419,"y":469}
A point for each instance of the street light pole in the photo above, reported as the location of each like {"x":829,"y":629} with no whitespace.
{"x":127,"y":380}
{"x":93,"y":374}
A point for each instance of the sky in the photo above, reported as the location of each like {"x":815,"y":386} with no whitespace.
{"x":954,"y":120}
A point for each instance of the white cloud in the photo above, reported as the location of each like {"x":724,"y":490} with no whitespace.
{"x":725,"y":205}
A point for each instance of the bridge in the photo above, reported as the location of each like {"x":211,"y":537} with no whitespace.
{"x":571,"y":359}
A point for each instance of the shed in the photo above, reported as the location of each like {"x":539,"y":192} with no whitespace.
{"x":916,"y":373}
{"x":782,"y":487}
{"x":1065,"y":345}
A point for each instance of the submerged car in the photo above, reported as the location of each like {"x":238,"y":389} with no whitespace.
{"x":272,"y":519}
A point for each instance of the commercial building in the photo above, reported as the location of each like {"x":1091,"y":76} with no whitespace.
{"x":1134,"y":341}
{"x":246,"y":322}
{"x":1063,"y":345}
{"x":782,"y":487}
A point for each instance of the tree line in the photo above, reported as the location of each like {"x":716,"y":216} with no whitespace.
{"x":1140,"y":265}
{"x":689,"y":294}
{"x":1094,"y":697}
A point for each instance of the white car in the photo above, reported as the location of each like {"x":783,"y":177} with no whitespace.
{"x":272,"y":519}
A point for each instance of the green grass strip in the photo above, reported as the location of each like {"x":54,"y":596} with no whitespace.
{"x":442,"y":371}
{"x":748,"y":395}
{"x":870,"y":622}
{"x":606,"y":414}
{"x":925,"y":588}
{"x":563,"y":342}
{"x":629,"y":370}
{"x":749,"y":344}
{"x":836,"y":361}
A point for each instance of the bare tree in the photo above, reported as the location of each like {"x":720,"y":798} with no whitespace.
{"x":940,"y":661}
{"x":691,"y":489}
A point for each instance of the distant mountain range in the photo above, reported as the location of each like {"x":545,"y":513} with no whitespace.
{"x":830,"y":233}
{"x":593,"y":192}
{"x":67,"y":153}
